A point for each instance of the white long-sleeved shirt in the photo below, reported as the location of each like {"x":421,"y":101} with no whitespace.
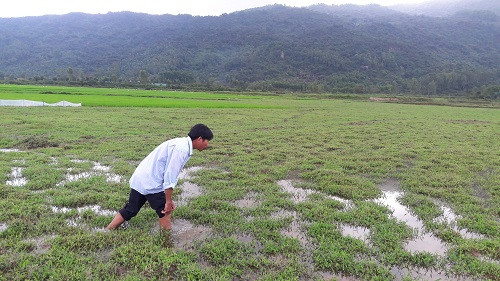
{"x":160,"y":169}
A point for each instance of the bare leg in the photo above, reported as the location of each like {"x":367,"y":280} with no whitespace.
{"x":116,"y":222}
{"x":165,"y":221}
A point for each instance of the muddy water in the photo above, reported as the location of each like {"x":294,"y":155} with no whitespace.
{"x":3,"y":227}
{"x":449,"y":217}
{"x":348,"y":204}
{"x":300,"y":195}
{"x":94,"y":208}
{"x":245,"y":238}
{"x":295,"y":229}
{"x":400,"y":212}
{"x":426,"y":241}
{"x":42,"y":243}
{"x":247,"y":203}
{"x":189,"y":189}
{"x":330,"y":276}
{"x":53,"y":161}
{"x":7,"y":150}
{"x":97,"y":170}
{"x":185,"y":234}
{"x":423,"y":274}
{"x":250,"y":201}
{"x":77,"y":221}
{"x":188,"y":173}
{"x":17,"y":178}
{"x":357,"y":232}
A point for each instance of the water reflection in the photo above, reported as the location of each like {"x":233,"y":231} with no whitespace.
{"x":17,"y":178}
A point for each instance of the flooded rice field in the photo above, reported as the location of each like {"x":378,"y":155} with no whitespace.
{"x":185,"y":234}
{"x":423,"y":240}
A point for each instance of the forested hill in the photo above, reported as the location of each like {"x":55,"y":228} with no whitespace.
{"x":441,"y":8}
{"x":320,"y":48}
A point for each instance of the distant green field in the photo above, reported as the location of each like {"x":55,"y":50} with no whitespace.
{"x":130,"y":98}
{"x":300,"y":189}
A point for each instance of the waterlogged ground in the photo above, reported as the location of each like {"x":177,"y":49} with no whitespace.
{"x":310,"y":190}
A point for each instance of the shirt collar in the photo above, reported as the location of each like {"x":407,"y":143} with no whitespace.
{"x":190,"y":144}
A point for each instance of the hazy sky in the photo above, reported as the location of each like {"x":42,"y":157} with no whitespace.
{"x":20,"y":8}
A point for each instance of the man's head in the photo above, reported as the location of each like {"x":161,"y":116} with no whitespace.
{"x":200,"y":135}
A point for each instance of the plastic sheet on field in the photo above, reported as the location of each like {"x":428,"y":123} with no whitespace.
{"x":37,"y":103}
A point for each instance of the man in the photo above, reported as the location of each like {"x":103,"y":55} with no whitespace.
{"x":157,"y":175}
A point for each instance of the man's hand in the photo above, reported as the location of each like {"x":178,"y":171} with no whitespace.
{"x":169,"y":207}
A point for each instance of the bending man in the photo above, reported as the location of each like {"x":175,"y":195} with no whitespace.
{"x":157,"y":175}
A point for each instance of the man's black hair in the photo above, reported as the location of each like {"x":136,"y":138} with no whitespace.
{"x":200,"y":130}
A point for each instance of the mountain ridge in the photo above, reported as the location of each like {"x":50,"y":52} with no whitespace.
{"x":276,"y":48}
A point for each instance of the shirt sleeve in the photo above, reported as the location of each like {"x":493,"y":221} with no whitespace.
{"x":173,"y":168}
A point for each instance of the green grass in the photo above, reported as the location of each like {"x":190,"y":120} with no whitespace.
{"x":130,"y":97}
{"x":345,"y":148}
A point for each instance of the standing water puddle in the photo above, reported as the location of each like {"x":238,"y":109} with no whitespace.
{"x":7,"y":150}
{"x":426,"y":241}
{"x":294,"y":230}
{"x":188,"y":173}
{"x":184,"y":233}
{"x":17,"y":178}
{"x":189,"y":189}
{"x":300,"y":195}
{"x":76,"y":222}
{"x":3,"y":227}
{"x":325,"y":275}
{"x":249,"y":201}
{"x":357,"y":232}
{"x":94,"y":208}
{"x":449,"y":217}
{"x":424,"y":274}
{"x":97,"y":170}
{"x":42,"y":243}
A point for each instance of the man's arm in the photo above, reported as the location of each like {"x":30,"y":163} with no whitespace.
{"x":169,"y":204}
{"x":173,"y":168}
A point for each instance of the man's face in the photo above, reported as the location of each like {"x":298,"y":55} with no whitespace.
{"x":201,"y":144}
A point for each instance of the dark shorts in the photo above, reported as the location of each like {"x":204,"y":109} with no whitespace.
{"x":137,"y":200}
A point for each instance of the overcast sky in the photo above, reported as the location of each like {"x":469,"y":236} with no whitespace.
{"x":20,"y":8}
